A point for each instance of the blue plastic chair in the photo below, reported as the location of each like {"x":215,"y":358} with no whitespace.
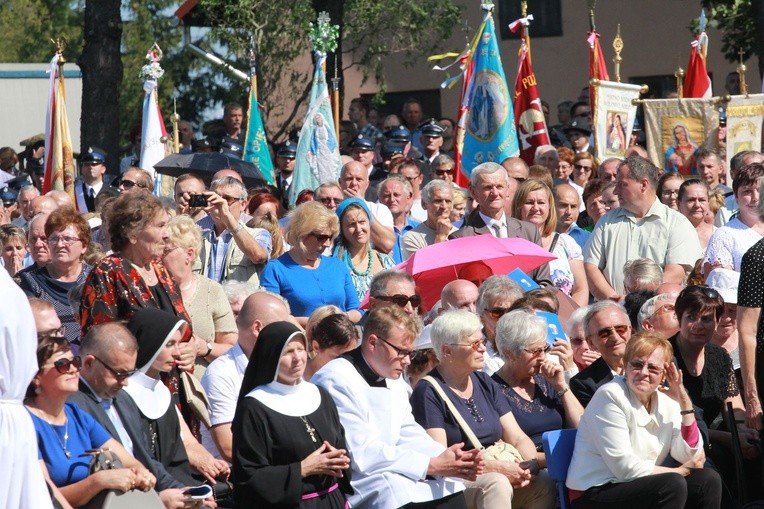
{"x":558,"y":448}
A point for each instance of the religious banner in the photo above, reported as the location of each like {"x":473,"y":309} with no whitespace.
{"x":613,"y":117}
{"x":59,"y":160}
{"x":597,"y":66}
{"x":677,"y":128}
{"x":153,"y":131}
{"x":256,"y":144}
{"x":697,"y":84}
{"x":744,"y":118}
{"x":488,"y":120}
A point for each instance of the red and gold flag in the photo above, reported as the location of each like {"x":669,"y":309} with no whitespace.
{"x":59,"y":160}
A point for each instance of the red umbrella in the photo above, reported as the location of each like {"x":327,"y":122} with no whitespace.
{"x":435,"y":266}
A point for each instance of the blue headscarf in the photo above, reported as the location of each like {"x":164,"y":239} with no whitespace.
{"x":344,"y":204}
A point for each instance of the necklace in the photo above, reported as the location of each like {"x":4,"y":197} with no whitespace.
{"x":65,"y":442}
{"x":310,"y":429}
{"x":350,"y":264}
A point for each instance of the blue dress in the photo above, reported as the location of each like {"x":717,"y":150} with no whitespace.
{"x":84,"y":433}
{"x":308,"y":289}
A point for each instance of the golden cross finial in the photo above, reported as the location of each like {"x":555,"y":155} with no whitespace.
{"x":618,"y":47}
{"x":679,"y":75}
{"x":523,"y":8}
{"x":741,"y":68}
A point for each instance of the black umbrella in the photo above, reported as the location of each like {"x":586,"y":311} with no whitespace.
{"x":206,"y":164}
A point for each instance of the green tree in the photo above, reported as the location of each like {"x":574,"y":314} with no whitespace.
{"x":742,"y":25}
{"x":27,"y":26}
{"x":370,"y":30}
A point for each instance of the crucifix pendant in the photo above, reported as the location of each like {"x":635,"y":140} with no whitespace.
{"x":68,"y":455}
{"x":310,"y":429}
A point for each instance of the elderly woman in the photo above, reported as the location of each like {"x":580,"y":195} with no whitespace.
{"x":594,"y":203}
{"x":329,"y":334}
{"x":211,"y":315}
{"x":68,"y":239}
{"x":693,"y":204}
{"x":534,"y":203}
{"x":290,"y":445}
{"x":709,"y":376}
{"x":584,"y":169}
{"x":65,"y":433}
{"x":562,"y":172}
{"x":13,"y":244}
{"x":583,"y":354}
{"x":303,"y":275}
{"x":134,"y":275}
{"x":631,"y":428}
{"x":533,"y":385}
{"x":458,"y":342}
{"x":726,"y":281}
{"x":729,"y":243}
{"x":668,"y":189}
{"x":353,"y":245}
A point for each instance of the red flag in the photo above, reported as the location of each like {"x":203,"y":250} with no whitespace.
{"x":697,"y":84}
{"x":462,"y":180}
{"x":529,"y":118}
{"x":597,"y":65}
{"x":59,"y":160}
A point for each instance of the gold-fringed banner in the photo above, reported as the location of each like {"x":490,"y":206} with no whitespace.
{"x":613,"y":117}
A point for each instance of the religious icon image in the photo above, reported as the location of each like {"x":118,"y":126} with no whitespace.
{"x":616,"y":133}
{"x":680,"y":147}
{"x":322,"y":155}
{"x":489,"y":106}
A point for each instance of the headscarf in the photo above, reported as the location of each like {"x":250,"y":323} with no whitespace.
{"x":261,"y":376}
{"x":352,"y":201}
{"x":153,"y":329}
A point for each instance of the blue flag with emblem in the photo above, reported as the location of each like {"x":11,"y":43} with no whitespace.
{"x":256,"y":145}
{"x":318,"y":158}
{"x":489,"y":119}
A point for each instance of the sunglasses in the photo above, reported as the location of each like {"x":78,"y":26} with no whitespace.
{"x":401,"y":300}
{"x":53,"y":333}
{"x":582,"y":167}
{"x":638,"y":365}
{"x":475,"y":345}
{"x":320,"y":238}
{"x":330,"y":200}
{"x":63,"y":365}
{"x":119,"y":375}
{"x":497,"y":313}
{"x":538,"y":351}
{"x":401,"y":352}
{"x":129,"y":184}
{"x":707,"y":291}
{"x":620,"y":330}
{"x":231,"y":199}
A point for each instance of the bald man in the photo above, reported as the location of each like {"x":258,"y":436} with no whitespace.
{"x":43,"y":205}
{"x":568,"y":204}
{"x":516,"y":168}
{"x":222,"y":380}
{"x":227,"y":172}
{"x":459,"y":294}
{"x":61,"y":198}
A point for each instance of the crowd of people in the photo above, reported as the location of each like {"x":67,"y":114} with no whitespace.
{"x":273,"y":351}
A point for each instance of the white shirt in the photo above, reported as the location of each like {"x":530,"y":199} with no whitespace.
{"x":618,"y":440}
{"x":490,"y":222}
{"x":222,"y":383}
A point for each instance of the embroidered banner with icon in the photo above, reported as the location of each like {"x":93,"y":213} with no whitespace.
{"x":613,"y":117}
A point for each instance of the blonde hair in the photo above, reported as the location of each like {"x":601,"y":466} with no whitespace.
{"x":271,"y":224}
{"x":459,"y":196}
{"x":319,"y":314}
{"x":307,"y":218}
{"x":526,"y":188}
{"x":184,"y":233}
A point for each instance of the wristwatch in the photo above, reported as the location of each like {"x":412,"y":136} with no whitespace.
{"x":209,"y":348}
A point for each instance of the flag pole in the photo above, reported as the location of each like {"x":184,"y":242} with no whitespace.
{"x":336,"y":97}
{"x":174,"y":120}
{"x":741,"y":68}
{"x":618,"y":47}
{"x":592,"y":30}
{"x":679,"y":75}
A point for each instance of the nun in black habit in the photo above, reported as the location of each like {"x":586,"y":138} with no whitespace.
{"x":288,"y":443}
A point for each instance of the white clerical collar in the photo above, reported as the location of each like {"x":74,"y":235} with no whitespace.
{"x":296,"y":400}
{"x":150,"y":394}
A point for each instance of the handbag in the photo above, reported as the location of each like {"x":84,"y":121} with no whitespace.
{"x":195,"y":397}
{"x":102,"y":459}
{"x":500,"y":451}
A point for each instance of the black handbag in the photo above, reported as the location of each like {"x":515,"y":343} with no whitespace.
{"x":102,"y":459}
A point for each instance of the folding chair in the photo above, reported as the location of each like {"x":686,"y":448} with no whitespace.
{"x":558,"y":447}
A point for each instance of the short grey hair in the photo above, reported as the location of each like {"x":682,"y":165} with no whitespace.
{"x":396,"y":177}
{"x":517,"y":330}
{"x":650,"y":306}
{"x":451,"y":327}
{"x":381,"y":279}
{"x":435,"y":185}
{"x":442,"y":160}
{"x":641,"y":168}
{"x":487,"y":168}
{"x":577,"y":318}
{"x":235,"y":290}
{"x":494,"y":287}
{"x":541,"y":149}
{"x":641,"y":273}
{"x":229,"y":182}
{"x":599,"y":306}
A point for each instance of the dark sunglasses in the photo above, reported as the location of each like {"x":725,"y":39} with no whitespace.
{"x":582,"y":167}
{"x":63,"y":365}
{"x":128,"y":184}
{"x":320,"y":238}
{"x":401,"y":300}
{"x":707,"y":291}
{"x":497,"y":313}
{"x":604,"y":333}
{"x":119,"y":375}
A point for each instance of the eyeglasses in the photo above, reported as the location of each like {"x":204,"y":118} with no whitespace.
{"x":497,"y":313}
{"x":64,"y":240}
{"x":475,"y":345}
{"x":53,"y":333}
{"x":538,"y":351}
{"x":669,"y":192}
{"x":443,"y":172}
{"x":604,"y":333}
{"x":129,"y":184}
{"x":401,"y":352}
{"x":638,"y":365}
{"x":231,"y":199}
{"x":582,"y":167}
{"x":576,"y":341}
{"x":119,"y":375}
{"x":330,"y":200}
{"x":63,"y":365}
{"x":666,"y":308}
{"x":401,"y":300}
{"x":321,"y":238}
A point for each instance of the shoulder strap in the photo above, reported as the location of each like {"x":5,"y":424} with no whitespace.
{"x":459,"y":419}
{"x":554,"y":242}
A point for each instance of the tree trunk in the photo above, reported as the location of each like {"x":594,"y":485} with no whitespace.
{"x":101,"y":66}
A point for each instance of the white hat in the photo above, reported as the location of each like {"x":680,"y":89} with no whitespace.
{"x":724,"y":281}
{"x":424,"y":340}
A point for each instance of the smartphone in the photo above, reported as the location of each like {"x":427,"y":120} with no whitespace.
{"x":198,"y":200}
{"x":198,"y":492}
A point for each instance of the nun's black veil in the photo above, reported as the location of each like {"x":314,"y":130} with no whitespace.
{"x":264,"y":361}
